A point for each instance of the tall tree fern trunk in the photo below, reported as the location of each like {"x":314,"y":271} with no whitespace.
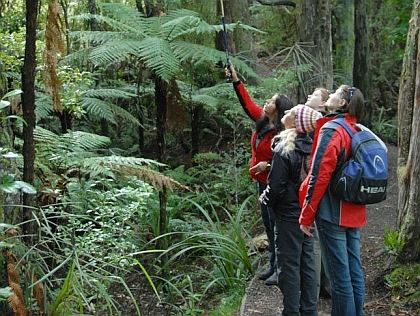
{"x":409,"y":142}
{"x":344,"y":41}
{"x":161,"y":91}
{"x":28,"y":105}
{"x":196,"y":113}
{"x":361,"y":71}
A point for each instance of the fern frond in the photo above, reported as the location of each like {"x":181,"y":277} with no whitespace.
{"x":131,"y":166}
{"x":42,"y":135}
{"x":179,"y":26}
{"x":82,"y":141}
{"x":108,"y":94}
{"x":206,"y":100}
{"x":98,"y":108}
{"x":112,"y":23}
{"x":98,"y":37}
{"x":44,"y":107}
{"x":124,"y":114}
{"x":80,"y":57}
{"x":157,"y":55}
{"x":199,"y":53}
{"x":114,"y":51}
{"x":125,"y":14}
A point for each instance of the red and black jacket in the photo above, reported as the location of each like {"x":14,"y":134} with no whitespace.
{"x":331,"y":148}
{"x":261,"y":141}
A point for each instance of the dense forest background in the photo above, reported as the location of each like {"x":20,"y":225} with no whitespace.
{"x":124,"y":151}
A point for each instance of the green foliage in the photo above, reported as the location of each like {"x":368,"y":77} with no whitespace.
{"x":222,"y":246}
{"x":157,"y":41}
{"x":394,"y":241}
{"x":386,"y":128}
{"x":404,"y":283}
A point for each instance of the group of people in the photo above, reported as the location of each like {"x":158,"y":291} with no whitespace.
{"x":295,"y":153}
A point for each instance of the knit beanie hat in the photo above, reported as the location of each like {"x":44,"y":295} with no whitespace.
{"x":305,"y":118}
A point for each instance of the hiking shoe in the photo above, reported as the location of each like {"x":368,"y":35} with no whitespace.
{"x":272,"y":280}
{"x":266,"y":273}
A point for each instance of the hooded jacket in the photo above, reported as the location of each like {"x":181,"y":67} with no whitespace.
{"x":284,"y":178}
{"x":331,"y":148}
{"x":261,"y":141}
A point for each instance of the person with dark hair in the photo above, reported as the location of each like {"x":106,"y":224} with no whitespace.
{"x":295,"y":251}
{"x":267,"y":124}
{"x":338,"y":222}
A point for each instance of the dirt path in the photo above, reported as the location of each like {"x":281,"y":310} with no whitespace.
{"x":262,"y":300}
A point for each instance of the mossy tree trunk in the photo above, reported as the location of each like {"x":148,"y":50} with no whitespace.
{"x":361,"y":71}
{"x":315,"y":29}
{"x":28,"y":105}
{"x":161,"y":91}
{"x":343,"y":40}
{"x":409,"y":142}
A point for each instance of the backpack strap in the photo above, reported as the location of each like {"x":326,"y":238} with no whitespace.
{"x":342,"y":122}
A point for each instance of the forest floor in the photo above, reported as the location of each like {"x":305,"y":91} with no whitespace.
{"x":262,"y":300}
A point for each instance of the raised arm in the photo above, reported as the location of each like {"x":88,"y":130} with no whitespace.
{"x":253,"y":110}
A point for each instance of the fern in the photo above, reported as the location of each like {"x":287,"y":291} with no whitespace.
{"x":108,"y":93}
{"x":99,"y":108}
{"x":158,"y":56}
{"x":154,"y":40}
{"x":129,"y":166}
{"x":114,"y":51}
{"x":44,"y":107}
{"x":199,"y":54}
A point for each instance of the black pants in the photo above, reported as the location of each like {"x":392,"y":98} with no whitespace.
{"x":268,"y":219}
{"x":297,"y":278}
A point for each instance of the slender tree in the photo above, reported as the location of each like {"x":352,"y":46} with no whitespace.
{"x":28,"y":103}
{"x":409,"y":142}
{"x":343,"y":40}
{"x":361,"y":71}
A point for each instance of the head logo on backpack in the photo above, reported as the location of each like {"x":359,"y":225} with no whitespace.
{"x":363,"y":178}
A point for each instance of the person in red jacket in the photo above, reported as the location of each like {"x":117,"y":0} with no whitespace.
{"x":267,"y":124}
{"x":338,"y":222}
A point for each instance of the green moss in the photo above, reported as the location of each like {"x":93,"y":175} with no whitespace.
{"x":404,"y":282}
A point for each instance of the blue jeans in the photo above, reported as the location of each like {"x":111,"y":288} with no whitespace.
{"x":341,"y":249}
{"x":268,"y":219}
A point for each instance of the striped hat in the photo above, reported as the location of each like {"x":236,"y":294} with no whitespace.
{"x":305,"y":118}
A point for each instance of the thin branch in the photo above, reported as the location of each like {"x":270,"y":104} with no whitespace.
{"x":277,"y":2}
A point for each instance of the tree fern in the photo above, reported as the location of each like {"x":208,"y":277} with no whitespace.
{"x":109,"y":93}
{"x":99,"y":108}
{"x":78,"y":150}
{"x":156,"y":40}
{"x":131,"y":166}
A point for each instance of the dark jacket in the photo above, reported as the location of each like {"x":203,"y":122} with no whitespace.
{"x":261,"y":141}
{"x":284,"y":179}
{"x":331,"y":149}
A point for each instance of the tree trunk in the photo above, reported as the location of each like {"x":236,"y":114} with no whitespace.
{"x":28,"y":105}
{"x":140,"y":112}
{"x":65,"y":5}
{"x":361,"y":71}
{"x":315,"y":29}
{"x":409,"y":142}
{"x":196,"y":113}
{"x":65,"y":121}
{"x":343,"y":41}
{"x":161,"y":90}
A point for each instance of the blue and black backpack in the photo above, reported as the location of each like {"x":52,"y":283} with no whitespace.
{"x":363,"y":178}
